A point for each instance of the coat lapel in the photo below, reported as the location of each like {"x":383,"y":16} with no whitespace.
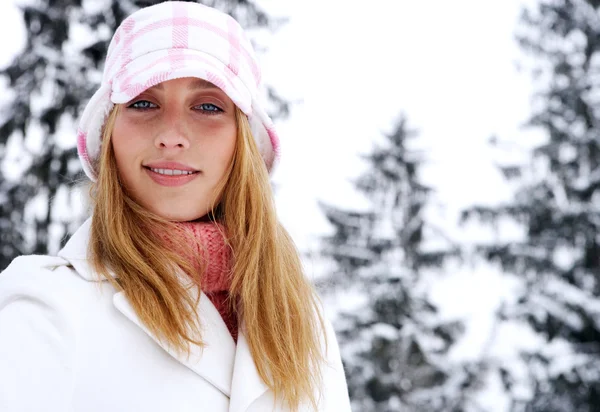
{"x":246,"y":384}
{"x":214,"y":362}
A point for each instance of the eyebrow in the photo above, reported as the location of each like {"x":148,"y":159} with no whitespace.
{"x":196,"y":84}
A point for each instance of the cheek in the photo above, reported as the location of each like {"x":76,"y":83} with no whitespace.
{"x":125,"y":147}
{"x":227,"y":144}
{"x":118,"y":143}
{"x":216,"y":145}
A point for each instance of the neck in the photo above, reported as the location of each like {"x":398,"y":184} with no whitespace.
{"x":214,"y":252}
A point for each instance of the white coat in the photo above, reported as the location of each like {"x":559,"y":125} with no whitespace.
{"x":72,"y":343}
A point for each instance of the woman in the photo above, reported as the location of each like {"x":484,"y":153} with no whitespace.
{"x":182,"y":292}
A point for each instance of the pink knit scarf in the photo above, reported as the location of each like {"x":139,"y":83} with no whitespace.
{"x":216,"y":280}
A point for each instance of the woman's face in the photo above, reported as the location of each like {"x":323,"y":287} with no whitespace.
{"x":173,"y":144}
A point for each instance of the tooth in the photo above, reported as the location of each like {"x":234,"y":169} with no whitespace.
{"x":172,"y":172}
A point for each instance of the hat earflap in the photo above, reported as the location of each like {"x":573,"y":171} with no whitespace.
{"x":89,"y":137}
{"x":262,"y":139}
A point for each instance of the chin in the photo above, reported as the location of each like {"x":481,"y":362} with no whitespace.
{"x":175,"y":215}
{"x":182,"y":217}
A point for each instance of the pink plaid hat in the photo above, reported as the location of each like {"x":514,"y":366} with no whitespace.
{"x":168,"y":41}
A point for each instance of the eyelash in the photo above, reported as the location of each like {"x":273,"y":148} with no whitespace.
{"x":207,"y":112}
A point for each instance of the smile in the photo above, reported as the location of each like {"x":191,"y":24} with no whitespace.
{"x":171,"y":177}
{"x":171,"y":172}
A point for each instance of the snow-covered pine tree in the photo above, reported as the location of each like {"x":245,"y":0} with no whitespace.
{"x":58,"y":70}
{"x":557,"y":204}
{"x":394,"y":343}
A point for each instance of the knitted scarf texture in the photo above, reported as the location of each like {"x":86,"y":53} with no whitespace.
{"x":216,"y":280}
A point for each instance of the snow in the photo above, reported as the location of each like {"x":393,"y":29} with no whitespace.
{"x":12,"y":25}
{"x":452,"y":68}
{"x":385,"y":331}
{"x":14,"y":164}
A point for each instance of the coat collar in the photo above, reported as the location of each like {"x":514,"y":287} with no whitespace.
{"x":228,"y":367}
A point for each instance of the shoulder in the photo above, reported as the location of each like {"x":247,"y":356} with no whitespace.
{"x":328,"y":336}
{"x":44,"y":299}
{"x":333,"y":394}
{"x":41,"y":277}
{"x":330,"y":346}
{"x":31,"y":265}
{"x":40,"y":302}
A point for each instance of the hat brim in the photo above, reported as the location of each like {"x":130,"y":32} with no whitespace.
{"x":162,"y":65}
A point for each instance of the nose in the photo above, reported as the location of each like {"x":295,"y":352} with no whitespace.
{"x":171,"y":138}
{"x":172,"y":133}
{"x":168,"y":141}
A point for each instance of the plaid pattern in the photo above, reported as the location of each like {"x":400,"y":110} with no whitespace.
{"x":172,"y":40}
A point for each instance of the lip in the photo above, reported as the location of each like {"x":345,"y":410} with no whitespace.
{"x":168,"y":180}
{"x":170,"y":165}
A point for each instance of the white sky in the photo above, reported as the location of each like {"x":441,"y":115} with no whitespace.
{"x":450,"y":66}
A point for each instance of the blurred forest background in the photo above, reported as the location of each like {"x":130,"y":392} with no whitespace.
{"x":377,"y":264}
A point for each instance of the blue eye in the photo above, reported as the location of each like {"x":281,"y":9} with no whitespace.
{"x":210,"y":108}
{"x":142,"y":105}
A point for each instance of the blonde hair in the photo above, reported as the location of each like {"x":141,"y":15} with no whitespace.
{"x":277,"y":304}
